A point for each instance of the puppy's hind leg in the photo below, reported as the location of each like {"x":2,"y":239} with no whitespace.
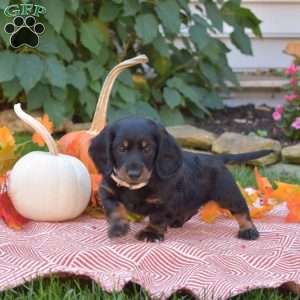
{"x":228,"y":196}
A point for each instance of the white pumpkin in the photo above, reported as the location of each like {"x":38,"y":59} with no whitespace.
{"x":48,"y":186}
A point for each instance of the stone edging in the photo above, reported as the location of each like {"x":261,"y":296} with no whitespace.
{"x":233,"y":143}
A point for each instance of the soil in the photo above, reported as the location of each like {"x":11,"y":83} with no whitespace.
{"x":246,"y":119}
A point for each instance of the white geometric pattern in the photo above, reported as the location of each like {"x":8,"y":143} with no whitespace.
{"x":206,"y":259}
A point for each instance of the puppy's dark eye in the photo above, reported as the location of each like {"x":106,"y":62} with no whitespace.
{"x":147,"y":149}
{"x":122,"y":148}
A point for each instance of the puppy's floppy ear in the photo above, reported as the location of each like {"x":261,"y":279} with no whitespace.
{"x":100,"y":151}
{"x":169,"y":155}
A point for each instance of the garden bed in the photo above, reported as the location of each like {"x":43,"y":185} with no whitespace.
{"x":245,"y":119}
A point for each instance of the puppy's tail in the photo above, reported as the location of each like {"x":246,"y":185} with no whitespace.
{"x":227,"y":158}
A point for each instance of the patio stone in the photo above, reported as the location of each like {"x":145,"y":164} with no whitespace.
{"x":291,"y":154}
{"x":235,"y":143}
{"x":192,"y":137}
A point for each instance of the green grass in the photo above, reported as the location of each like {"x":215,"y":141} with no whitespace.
{"x":55,"y":288}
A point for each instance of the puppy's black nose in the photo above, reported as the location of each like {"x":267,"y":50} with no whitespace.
{"x":134,"y":174}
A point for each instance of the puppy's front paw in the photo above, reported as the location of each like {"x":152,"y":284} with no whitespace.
{"x":248,"y":234}
{"x":149,"y":236}
{"x":118,"y":229}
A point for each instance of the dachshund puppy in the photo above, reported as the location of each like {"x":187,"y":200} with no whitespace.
{"x":145,"y":172}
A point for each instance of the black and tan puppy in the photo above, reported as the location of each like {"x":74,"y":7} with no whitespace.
{"x":146,"y":172}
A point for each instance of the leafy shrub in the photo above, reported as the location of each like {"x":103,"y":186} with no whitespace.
{"x":84,"y":39}
{"x":287,"y":116}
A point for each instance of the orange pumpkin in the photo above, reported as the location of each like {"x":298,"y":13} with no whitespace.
{"x":77,"y":143}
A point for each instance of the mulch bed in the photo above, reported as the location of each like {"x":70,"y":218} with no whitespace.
{"x":245,"y":119}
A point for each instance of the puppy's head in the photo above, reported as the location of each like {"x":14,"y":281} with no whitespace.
{"x":134,"y":149}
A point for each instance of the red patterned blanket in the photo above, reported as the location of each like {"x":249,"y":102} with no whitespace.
{"x":206,"y":259}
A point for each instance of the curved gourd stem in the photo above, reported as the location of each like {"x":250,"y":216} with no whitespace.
{"x":99,"y":119}
{"x":38,"y":127}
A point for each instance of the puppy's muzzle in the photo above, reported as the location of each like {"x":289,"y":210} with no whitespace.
{"x":133,"y":175}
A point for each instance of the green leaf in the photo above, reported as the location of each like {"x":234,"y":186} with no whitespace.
{"x":59,"y":93}
{"x":168,"y":13}
{"x":76,"y":77}
{"x":56,"y":72}
{"x":126,"y":93}
{"x":69,"y":30}
{"x":11,"y":89}
{"x":241,"y":40}
{"x":74,"y":4}
{"x":171,"y":117}
{"x":126,"y":78}
{"x":3,"y":35}
{"x":95,"y":86}
{"x":7,"y":66}
{"x":213,"y":101}
{"x":228,"y":74}
{"x":199,"y":36}
{"x":91,"y":37}
{"x":172,"y":97}
{"x":184,"y":4}
{"x":122,"y":31}
{"x":214,"y":14}
{"x":109,"y":11}
{"x":48,"y":42}
{"x":176,"y":83}
{"x":131,"y":7}
{"x":144,"y":109}
{"x":192,"y":93}
{"x":161,"y":46}
{"x":29,"y":69}
{"x":210,"y":72}
{"x":216,"y":50}
{"x":55,"y":109}
{"x":95,"y":69}
{"x":89,"y":101}
{"x":162,"y":65}
{"x":64,"y":50}
{"x":235,"y":15}
{"x":146,"y":27}
{"x":37,"y":96}
{"x":55,"y":13}
{"x":4,"y":4}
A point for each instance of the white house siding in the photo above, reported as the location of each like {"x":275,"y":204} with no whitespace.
{"x":280,"y":24}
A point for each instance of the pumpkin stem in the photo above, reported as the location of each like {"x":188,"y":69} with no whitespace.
{"x":38,"y":127}
{"x":99,"y":119}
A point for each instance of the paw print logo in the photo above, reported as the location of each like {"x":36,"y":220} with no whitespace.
{"x":24,"y":31}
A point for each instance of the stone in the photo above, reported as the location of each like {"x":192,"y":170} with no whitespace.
{"x":291,"y":154}
{"x":197,"y":151}
{"x":284,"y":170}
{"x":192,"y":137}
{"x":9,"y":119}
{"x":235,"y":143}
